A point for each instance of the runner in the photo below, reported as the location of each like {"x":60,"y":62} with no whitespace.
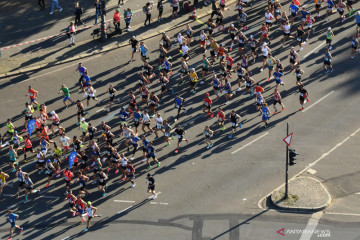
{"x":205,"y":69}
{"x":265,"y":114}
{"x":130,"y":171}
{"x":166,"y":41}
{"x":303,"y":97}
{"x":148,"y":71}
{"x":13,"y":218}
{"x":91,"y":132}
{"x":65,"y":142}
{"x":3,"y":183}
{"x":29,"y":185}
{"x":112,"y":91}
{"x":90,"y":210}
{"x":249,"y":81}
{"x":12,"y":158}
{"x":80,"y":206}
{"x":216,"y":85}
{"x":50,"y":170}
{"x":228,"y":92}
{"x":214,"y":49}
{"x":298,"y":72}
{"x":81,"y":69}
{"x":179,"y":105}
{"x":146,"y":122}
{"x":84,"y":129}
{"x":317,"y":7}
{"x":180,"y":135}
{"x":329,"y":36}
{"x":55,"y":122}
{"x":86,"y":82}
{"x":259,"y":101}
{"x":134,"y":45}
{"x":354,"y":46}
{"x":241,"y":40}
{"x":235,"y":121}
{"x":253,"y":45}
{"x":207,"y":108}
{"x":270,"y":64}
{"x":10,"y":128}
{"x":208,"y":133}
{"x":184,"y":70}
{"x":329,"y":8}
{"x":264,"y":34}
{"x":268,"y":19}
{"x":293,"y":55}
{"x":123,"y":115}
{"x":278,"y":75}
{"x":167,"y":133}
{"x":341,"y":8}
{"x":350,"y":7}
{"x":327,"y":61}
{"x":299,"y":37}
{"x":219,"y":18}
{"x":221,"y":118}
{"x":65,"y":91}
{"x":294,"y":11}
{"x":83,"y":180}
{"x":91,"y":94}
{"x":143,"y":51}
{"x":33,"y":95}
{"x":123,"y":161}
{"x":72,"y":201}
{"x":80,"y":111}
{"x":21,"y":178}
{"x":151,"y":154}
{"x":102,"y":177}
{"x":286,"y":29}
{"x":265,"y":52}
{"x":203,"y":38}
{"x":277,"y":99}
{"x":151,"y":185}
{"x":185,"y":51}
{"x":189,"y":34}
{"x":135,"y":142}
{"x":28,"y":115}
{"x":310,"y":20}
{"x":159,"y":126}
{"x":28,"y":146}
{"x":154,"y":102}
{"x":193,"y":80}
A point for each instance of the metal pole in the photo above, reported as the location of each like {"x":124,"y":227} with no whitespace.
{"x":102,"y":14}
{"x":287,"y":163}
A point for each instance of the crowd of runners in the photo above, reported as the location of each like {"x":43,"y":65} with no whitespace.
{"x":99,"y":152}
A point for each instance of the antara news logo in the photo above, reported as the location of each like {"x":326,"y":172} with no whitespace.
{"x":316,"y":232}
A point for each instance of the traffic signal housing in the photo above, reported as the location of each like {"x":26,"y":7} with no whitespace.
{"x":292,"y":155}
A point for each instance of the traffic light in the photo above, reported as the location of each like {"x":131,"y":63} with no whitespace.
{"x":292,"y":155}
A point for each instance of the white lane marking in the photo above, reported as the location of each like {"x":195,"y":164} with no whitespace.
{"x":311,"y":171}
{"x":124,"y":201}
{"x":50,"y":197}
{"x":311,"y":226}
{"x":318,"y":101}
{"x":9,"y":195}
{"x":101,"y":109}
{"x":125,"y":209}
{"x":345,"y":214}
{"x":65,"y":238}
{"x":250,"y":143}
{"x":50,"y":72}
{"x":156,"y":195}
{"x":14,"y":205}
{"x":47,"y":189}
{"x":314,"y":49}
{"x":160,"y":203}
{"x":312,"y":164}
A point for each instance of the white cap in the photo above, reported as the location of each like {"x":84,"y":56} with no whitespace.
{"x":264,"y":44}
{"x":82,"y":119}
{"x":358,"y":12}
{"x":232,"y":25}
{"x":52,"y":113}
{"x":329,"y":28}
{"x":251,"y":36}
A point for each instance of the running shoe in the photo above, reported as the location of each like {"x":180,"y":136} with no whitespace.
{"x":132,"y":186}
{"x":47,"y":185}
{"x":187,"y":141}
{"x":208,"y":146}
{"x":268,"y":79}
{"x":223,"y":128}
{"x":177,"y":150}
{"x":73,"y":214}
{"x":212,"y":115}
{"x":275,"y":112}
{"x":230,"y":136}
{"x":104,"y":194}
{"x":116,"y":171}
{"x":154,"y":197}
{"x":283,"y":109}
{"x":123,"y":178}
{"x":148,"y":167}
{"x":158,"y":164}
{"x":211,"y":145}
{"x":301,"y":109}
{"x":86,"y":229}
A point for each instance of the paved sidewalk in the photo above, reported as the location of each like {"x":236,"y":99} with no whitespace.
{"x":45,"y":58}
{"x":305,"y":194}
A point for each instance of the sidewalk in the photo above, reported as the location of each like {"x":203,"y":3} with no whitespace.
{"x":44,"y":58}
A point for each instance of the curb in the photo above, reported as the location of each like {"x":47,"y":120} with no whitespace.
{"x":106,"y":49}
{"x":303,"y":209}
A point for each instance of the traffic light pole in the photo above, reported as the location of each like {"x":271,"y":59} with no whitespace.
{"x":287,"y":164}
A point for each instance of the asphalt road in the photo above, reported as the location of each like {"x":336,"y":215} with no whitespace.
{"x":207,"y":194}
